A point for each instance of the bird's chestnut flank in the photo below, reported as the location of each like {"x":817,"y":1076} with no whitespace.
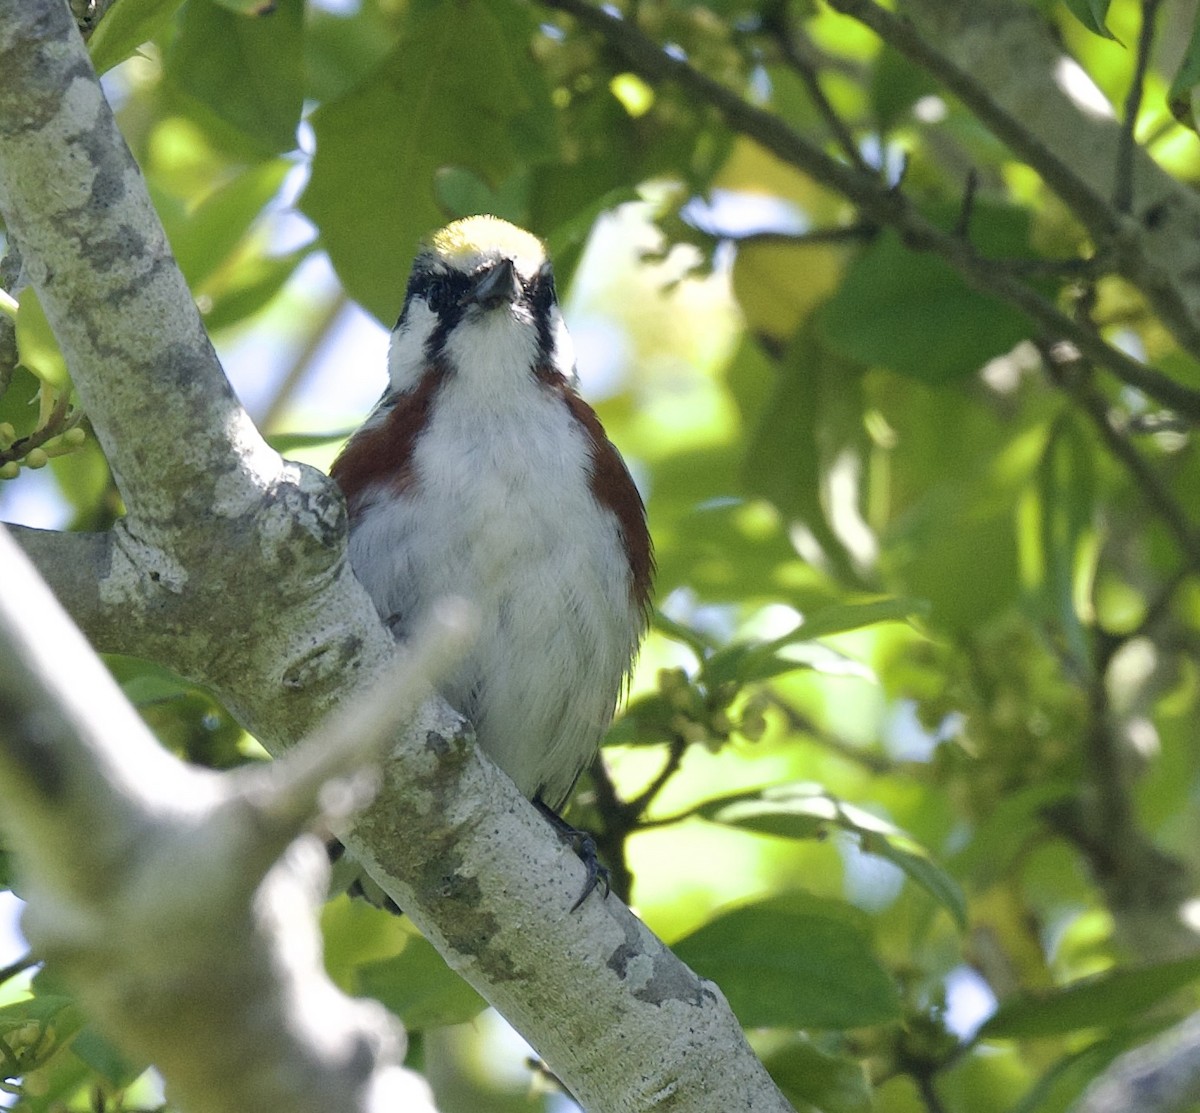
{"x":482,"y":473}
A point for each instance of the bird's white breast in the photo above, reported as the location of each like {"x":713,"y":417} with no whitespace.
{"x":501,"y":511}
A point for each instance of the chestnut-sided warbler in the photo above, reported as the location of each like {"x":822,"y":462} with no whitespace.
{"x":482,"y":473}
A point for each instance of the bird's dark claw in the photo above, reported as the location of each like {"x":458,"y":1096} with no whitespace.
{"x":585,"y":849}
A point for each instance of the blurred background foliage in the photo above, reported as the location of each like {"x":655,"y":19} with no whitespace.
{"x":910,"y":762}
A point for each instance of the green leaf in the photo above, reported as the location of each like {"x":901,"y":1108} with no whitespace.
{"x":103,"y":1058}
{"x":251,"y":286}
{"x":42,"y":1008}
{"x":1180,"y":98}
{"x":460,"y":192}
{"x":145,"y":682}
{"x":1065,"y":486}
{"x":914,"y":861}
{"x":247,"y":71}
{"x":458,"y":90}
{"x":805,"y":811}
{"x":749,"y":661}
{"x":1059,"y":1088}
{"x":420,"y":988}
{"x":248,"y":7}
{"x":1100,"y":1002}
{"x":698,"y":643}
{"x":36,"y":344}
{"x":963,"y":548}
{"x":813,"y":416}
{"x":1004,"y":834}
{"x":203,"y":239}
{"x":911,"y":312}
{"x":795,"y":961}
{"x":809,"y":1076}
{"x":896,"y":85}
{"x":1093,"y":14}
{"x":289,"y":442}
{"x":646,"y":720}
{"x":125,"y":27}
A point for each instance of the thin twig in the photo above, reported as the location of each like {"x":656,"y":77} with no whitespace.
{"x":851,"y":233}
{"x":799,"y":723}
{"x":1123,"y":188}
{"x":1157,"y":609}
{"x":881,"y":203}
{"x":794,"y":47}
{"x":962,"y":226}
{"x":1069,"y":373}
{"x":59,"y":421}
{"x":675,"y":751}
{"x":898,"y":32}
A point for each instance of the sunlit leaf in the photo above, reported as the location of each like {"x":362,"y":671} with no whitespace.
{"x":205,"y":237}
{"x":36,"y":345}
{"x":913,"y":313}
{"x":794,"y":961}
{"x":420,"y":988}
{"x":806,"y":811}
{"x":249,"y":7}
{"x":748,"y":661}
{"x":289,"y":442}
{"x":807,"y":1074}
{"x":1065,"y":487}
{"x":1181,"y":97}
{"x":249,"y":71}
{"x":1100,"y":1002}
{"x":250,"y":286}
{"x":125,"y":27}
{"x":1092,"y":14}
{"x":456,"y":91}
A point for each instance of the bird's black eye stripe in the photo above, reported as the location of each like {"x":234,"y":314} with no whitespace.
{"x":442,"y":290}
{"x":543,"y":299}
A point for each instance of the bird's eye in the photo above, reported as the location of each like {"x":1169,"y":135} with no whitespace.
{"x":438,"y":296}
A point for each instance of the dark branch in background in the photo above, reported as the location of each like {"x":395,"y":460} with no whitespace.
{"x":797,"y":51}
{"x":1123,"y":188}
{"x":899,"y":33}
{"x":1103,"y":825}
{"x":1071,"y":375}
{"x":623,"y":817}
{"x":799,"y":723}
{"x":851,"y":233}
{"x":883,"y":204}
{"x":962,"y":226}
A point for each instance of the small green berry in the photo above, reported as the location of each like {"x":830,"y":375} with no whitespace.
{"x":37,"y":458}
{"x":74,"y":437}
{"x":7,"y":433}
{"x":10,"y":470}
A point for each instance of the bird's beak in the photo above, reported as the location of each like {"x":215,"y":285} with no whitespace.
{"x":496,"y":286}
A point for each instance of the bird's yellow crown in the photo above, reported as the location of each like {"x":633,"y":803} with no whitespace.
{"x":465,"y":241}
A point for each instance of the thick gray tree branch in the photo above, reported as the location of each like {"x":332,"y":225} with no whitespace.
{"x":197,"y":950}
{"x":230,"y":568}
{"x":74,"y":565}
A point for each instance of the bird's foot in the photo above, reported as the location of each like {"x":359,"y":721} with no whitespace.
{"x":585,"y":849}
